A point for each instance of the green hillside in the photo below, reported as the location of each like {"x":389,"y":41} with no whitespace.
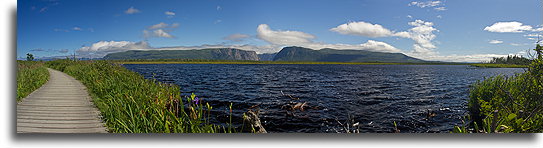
{"x":335,"y":55}
{"x":210,"y":54}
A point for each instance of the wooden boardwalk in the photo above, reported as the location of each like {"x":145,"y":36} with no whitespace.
{"x":62,"y":105}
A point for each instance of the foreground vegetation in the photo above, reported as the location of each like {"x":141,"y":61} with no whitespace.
{"x":31,"y":75}
{"x":131,"y":104}
{"x":508,"y":104}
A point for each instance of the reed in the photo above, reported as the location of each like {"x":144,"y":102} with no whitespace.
{"x":31,"y":75}
{"x":129,"y":103}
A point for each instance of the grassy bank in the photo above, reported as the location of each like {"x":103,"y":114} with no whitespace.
{"x":131,"y":104}
{"x":191,"y":61}
{"x":31,"y":75}
{"x":508,"y":104}
{"x":485,"y":65}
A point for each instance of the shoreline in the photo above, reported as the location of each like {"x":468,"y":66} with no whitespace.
{"x":279,"y":62}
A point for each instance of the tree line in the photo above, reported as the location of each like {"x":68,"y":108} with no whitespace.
{"x":511,"y":59}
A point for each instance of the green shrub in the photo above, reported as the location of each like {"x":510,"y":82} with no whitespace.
{"x":31,"y":75}
{"x":508,"y":104}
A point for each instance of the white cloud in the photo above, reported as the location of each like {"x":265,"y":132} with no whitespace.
{"x":458,"y":58}
{"x":282,"y":37}
{"x":77,"y":29}
{"x":495,"y":42}
{"x":531,"y":35}
{"x":440,"y":9}
{"x":61,"y":30}
{"x":363,"y":29}
{"x":425,"y":4}
{"x":43,"y":9}
{"x":422,"y":33}
{"x":439,"y":16}
{"x":169,"y":13}
{"x":219,"y":8}
{"x":160,"y":30}
{"x":102,"y":48}
{"x":503,"y":27}
{"x":515,"y":44}
{"x":409,"y":16}
{"x":296,"y":38}
{"x":159,"y":26}
{"x":161,"y":33}
{"x":236,"y":37}
{"x":132,"y":10}
{"x":217,"y":21}
{"x":370,"y":45}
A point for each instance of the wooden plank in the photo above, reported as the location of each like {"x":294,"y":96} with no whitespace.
{"x":62,"y":105}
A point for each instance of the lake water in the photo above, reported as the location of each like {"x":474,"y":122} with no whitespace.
{"x":419,"y":98}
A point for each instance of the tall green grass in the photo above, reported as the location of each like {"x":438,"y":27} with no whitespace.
{"x":31,"y":75}
{"x":131,"y":104}
{"x":508,"y":104}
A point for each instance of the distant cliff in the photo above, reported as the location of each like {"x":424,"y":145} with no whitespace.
{"x":266,"y":56}
{"x":341,"y":55}
{"x":209,"y":54}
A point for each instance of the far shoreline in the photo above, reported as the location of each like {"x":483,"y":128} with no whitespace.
{"x":278,"y":62}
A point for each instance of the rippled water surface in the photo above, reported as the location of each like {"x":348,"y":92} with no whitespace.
{"x":419,"y":98}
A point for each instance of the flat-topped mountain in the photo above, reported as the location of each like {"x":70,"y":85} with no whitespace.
{"x":344,"y":55}
{"x":209,"y":54}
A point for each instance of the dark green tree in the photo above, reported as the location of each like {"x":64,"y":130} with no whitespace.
{"x":29,"y":57}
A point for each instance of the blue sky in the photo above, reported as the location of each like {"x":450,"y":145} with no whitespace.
{"x":447,"y":30}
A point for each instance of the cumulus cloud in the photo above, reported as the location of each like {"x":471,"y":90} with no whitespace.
{"x":422,"y":33}
{"x":282,"y":37}
{"x":513,"y":27}
{"x":102,"y":48}
{"x":370,"y":45}
{"x":295,"y":38}
{"x":160,"y":30}
{"x":495,"y":42}
{"x":236,"y":37}
{"x":363,"y":29}
{"x":132,"y":10}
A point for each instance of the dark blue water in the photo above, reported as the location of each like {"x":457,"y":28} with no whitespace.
{"x":419,"y":98}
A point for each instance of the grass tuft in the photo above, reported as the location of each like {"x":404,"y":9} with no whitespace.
{"x":31,"y":75}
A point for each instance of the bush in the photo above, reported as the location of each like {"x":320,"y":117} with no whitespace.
{"x":508,"y":104}
{"x":30,"y":76}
